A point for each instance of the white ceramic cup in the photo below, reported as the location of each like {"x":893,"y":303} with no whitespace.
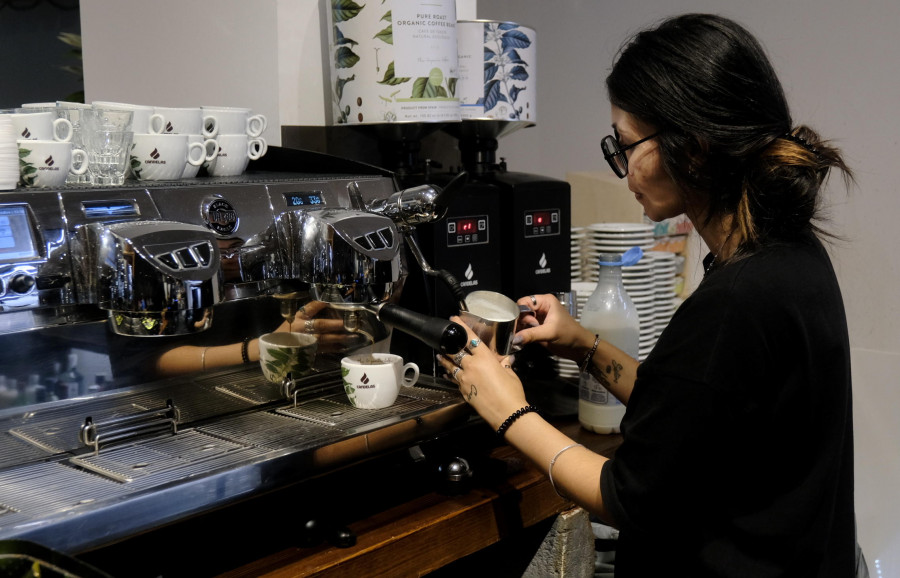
{"x":144,"y":117}
{"x":41,"y":126}
{"x":172,"y":120}
{"x":235,"y":153}
{"x":209,"y":145}
{"x":232,"y":120}
{"x":285,"y":352}
{"x":161,"y":157}
{"x":373,"y":380}
{"x":47,"y":163}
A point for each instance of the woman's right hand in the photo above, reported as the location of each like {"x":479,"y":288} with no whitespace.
{"x":551,"y":325}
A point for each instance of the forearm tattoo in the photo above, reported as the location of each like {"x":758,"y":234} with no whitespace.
{"x":608,"y":375}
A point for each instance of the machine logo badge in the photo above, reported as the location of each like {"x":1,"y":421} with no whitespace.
{"x":544,"y":269}
{"x":221,"y":217}
{"x":469,"y":273}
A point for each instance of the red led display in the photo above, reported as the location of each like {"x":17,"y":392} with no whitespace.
{"x":466,"y":226}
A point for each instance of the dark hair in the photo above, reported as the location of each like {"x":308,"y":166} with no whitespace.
{"x":725,"y":128}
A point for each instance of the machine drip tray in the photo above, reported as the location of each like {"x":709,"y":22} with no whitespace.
{"x":240,"y":438}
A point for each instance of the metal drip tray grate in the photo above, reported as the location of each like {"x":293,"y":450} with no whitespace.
{"x":336,"y":411}
{"x":248,"y":386}
{"x":60,"y":434}
{"x":48,"y":488}
{"x":16,"y":451}
{"x":270,"y":430}
{"x":150,"y":458}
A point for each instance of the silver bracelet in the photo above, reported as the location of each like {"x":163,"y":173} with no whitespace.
{"x":203,"y":359}
{"x":553,"y":461}
{"x":587,"y":360}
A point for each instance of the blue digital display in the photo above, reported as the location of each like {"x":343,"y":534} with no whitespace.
{"x":304,"y":199}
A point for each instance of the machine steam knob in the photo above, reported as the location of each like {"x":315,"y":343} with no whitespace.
{"x":21,"y":283}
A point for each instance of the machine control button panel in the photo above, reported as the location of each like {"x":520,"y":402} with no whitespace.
{"x":467,"y":231}
{"x":541,"y":223}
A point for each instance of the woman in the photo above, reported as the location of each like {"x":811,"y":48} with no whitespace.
{"x":737,"y":453}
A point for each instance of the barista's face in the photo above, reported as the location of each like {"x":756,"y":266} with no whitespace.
{"x":647,"y":179}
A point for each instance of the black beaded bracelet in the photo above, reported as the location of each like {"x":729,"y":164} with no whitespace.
{"x":245,"y":355}
{"x":501,"y":431}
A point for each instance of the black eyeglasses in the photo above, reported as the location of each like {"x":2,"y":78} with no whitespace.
{"x":615,"y":154}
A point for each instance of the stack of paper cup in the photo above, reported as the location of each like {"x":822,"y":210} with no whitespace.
{"x":9,"y":155}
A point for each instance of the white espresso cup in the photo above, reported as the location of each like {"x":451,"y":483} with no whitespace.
{"x":172,"y":120}
{"x":209,"y":145}
{"x":47,"y":163}
{"x":41,"y":126}
{"x":373,"y":380}
{"x":235,"y":153}
{"x":232,"y":120}
{"x":161,"y":157}
{"x":284,"y":352}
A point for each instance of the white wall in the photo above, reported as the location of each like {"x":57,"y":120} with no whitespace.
{"x":839,"y":63}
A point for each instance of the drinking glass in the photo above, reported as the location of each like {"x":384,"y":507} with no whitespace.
{"x":108,"y":119}
{"x":108,"y":155}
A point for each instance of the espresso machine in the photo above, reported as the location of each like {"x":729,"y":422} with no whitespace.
{"x":127,"y":275}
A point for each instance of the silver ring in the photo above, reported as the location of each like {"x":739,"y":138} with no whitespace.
{"x":455,"y":371}
{"x":533,"y":300}
{"x":309,"y":325}
{"x":474,"y":343}
{"x":457,"y":359}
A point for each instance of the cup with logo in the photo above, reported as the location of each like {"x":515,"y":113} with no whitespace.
{"x":373,"y":380}
{"x":232,"y":120}
{"x":43,"y":125}
{"x":162,"y":157}
{"x":178,"y":120}
{"x":47,"y":163}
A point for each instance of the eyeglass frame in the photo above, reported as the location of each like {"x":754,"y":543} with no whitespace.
{"x":620,"y":150}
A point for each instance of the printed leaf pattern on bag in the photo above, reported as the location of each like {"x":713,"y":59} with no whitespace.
{"x":503,"y":66}
{"x":344,"y":56}
{"x":343,"y":10}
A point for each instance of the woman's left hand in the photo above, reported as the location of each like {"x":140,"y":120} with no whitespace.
{"x":485,"y":379}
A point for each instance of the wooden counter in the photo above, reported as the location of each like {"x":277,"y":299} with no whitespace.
{"x":421,"y":535}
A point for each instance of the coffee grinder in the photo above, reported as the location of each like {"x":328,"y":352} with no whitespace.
{"x":504,"y":231}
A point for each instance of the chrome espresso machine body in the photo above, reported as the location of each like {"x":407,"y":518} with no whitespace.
{"x":114,"y":278}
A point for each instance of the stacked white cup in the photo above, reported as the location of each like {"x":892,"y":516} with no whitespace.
{"x":187,"y":121}
{"x":239,"y":135}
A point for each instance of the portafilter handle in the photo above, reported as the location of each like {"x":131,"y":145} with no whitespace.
{"x":442,"y":335}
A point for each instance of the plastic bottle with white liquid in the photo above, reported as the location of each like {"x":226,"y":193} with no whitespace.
{"x":610,"y":313}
